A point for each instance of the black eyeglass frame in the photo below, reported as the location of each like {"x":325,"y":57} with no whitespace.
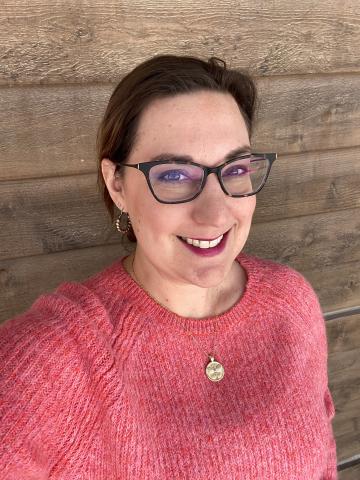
{"x":145,"y":167}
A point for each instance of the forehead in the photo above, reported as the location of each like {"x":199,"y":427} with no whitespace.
{"x":199,"y":123}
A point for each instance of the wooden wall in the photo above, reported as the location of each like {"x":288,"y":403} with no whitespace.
{"x":61,"y":60}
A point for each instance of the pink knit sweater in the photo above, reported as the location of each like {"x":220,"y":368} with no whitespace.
{"x":98,"y":382}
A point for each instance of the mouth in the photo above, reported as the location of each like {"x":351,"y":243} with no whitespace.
{"x":205,"y":248}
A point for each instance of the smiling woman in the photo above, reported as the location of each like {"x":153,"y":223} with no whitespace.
{"x":204,"y":125}
{"x":187,"y":358}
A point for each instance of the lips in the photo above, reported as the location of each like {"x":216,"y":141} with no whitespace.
{"x":207,"y":252}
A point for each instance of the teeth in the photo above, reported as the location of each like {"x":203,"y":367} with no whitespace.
{"x":203,"y":243}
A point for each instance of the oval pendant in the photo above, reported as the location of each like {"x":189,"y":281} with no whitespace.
{"x":214,"y":370}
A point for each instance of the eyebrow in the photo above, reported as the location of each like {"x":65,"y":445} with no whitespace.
{"x":233,"y":154}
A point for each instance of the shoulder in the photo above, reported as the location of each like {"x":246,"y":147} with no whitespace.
{"x":284,"y":287}
{"x":78,"y":321}
{"x":271,"y":271}
{"x":54,"y":357}
{"x":67,"y":326}
{"x":59,"y":350}
{"x":64,"y":311}
{"x":58,"y":327}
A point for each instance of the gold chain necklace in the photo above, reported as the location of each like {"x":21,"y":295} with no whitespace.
{"x":214,"y":370}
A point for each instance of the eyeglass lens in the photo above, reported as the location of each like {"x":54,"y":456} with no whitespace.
{"x":173,"y":182}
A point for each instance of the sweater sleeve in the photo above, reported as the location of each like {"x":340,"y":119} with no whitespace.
{"x":317,"y":329}
{"x":46,"y":372}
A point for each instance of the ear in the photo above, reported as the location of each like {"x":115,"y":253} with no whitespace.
{"x":114,"y":183}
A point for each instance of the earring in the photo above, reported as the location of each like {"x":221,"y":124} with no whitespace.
{"x":128,"y":222}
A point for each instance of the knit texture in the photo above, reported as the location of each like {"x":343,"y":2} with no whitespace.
{"x":99,"y":382}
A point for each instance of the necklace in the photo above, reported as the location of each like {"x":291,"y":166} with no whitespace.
{"x":214,"y":370}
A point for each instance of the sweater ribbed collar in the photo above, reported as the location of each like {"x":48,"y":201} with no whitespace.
{"x":197,"y":326}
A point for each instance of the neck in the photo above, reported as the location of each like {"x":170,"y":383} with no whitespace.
{"x":200,"y":302}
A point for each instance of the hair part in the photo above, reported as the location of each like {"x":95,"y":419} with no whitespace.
{"x":163,"y":76}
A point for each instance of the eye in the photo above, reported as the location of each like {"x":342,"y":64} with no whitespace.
{"x":235,"y":170}
{"x":172,"y":176}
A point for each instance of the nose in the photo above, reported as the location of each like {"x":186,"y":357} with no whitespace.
{"x":210,"y":207}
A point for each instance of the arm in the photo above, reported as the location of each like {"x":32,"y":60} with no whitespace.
{"x":315,"y":325}
{"x":57,"y":381}
{"x":321,"y":343}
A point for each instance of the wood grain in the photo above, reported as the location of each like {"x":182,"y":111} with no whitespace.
{"x":310,"y":183}
{"x":65,"y":41}
{"x":351,"y":473}
{"x":341,"y":287}
{"x":51,"y":131}
{"x":49,"y":215}
{"x":310,"y":242}
{"x":24,"y":279}
{"x":308,"y":113}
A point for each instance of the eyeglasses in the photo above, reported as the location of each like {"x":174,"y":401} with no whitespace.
{"x":180,"y":181}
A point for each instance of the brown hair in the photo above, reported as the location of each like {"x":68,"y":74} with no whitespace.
{"x":163,"y":76}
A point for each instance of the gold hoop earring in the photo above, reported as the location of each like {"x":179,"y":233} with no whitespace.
{"x":128,"y":223}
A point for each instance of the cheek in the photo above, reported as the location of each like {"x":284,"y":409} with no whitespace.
{"x":151,"y":219}
{"x":140,"y":210}
{"x":245,"y":207}
{"x":252,"y":204}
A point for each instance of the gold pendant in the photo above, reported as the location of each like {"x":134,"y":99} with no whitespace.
{"x":214,"y":370}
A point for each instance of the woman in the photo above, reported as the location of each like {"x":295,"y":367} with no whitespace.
{"x":186,"y":359}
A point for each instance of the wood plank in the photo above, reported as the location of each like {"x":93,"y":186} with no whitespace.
{"x":49,"y":215}
{"x":337,"y":285}
{"x":308,"y":113}
{"x":22,"y":280}
{"x":51,"y":131}
{"x":310,"y":183}
{"x":351,"y":473}
{"x":95,"y":41}
{"x":311,"y":241}
{"x":344,"y":381}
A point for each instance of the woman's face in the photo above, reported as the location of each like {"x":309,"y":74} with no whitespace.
{"x":205,"y":126}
